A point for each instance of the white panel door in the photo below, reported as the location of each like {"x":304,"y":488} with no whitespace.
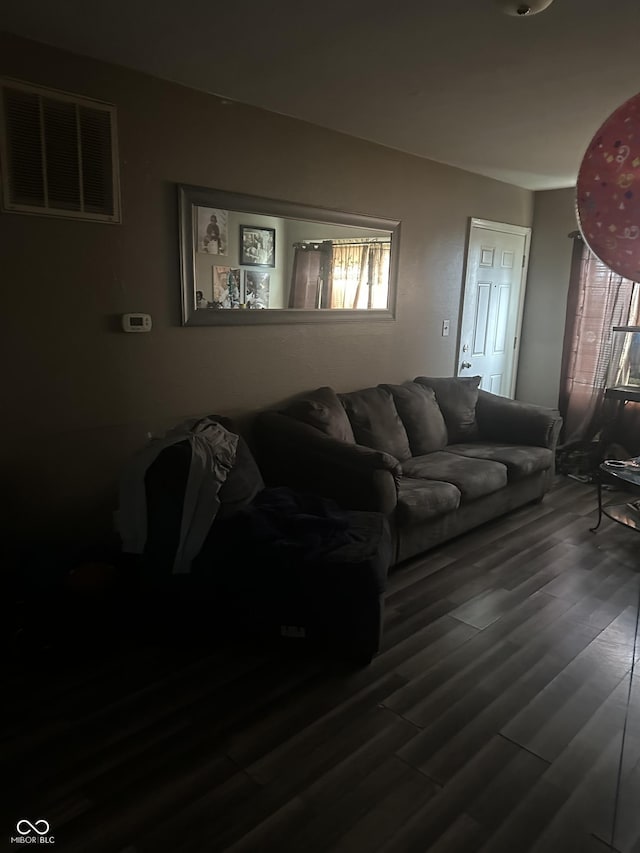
{"x":492,"y":307}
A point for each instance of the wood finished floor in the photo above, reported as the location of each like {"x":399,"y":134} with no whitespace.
{"x":492,"y":720}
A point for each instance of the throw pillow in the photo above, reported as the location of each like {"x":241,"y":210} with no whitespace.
{"x":322,"y":409}
{"x":457,"y":397}
{"x":375,"y":421}
{"x":422,"y":418}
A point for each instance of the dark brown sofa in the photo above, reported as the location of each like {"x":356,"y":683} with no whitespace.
{"x":436,"y":455}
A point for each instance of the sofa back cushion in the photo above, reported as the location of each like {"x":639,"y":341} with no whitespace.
{"x":457,"y":397}
{"x":323,"y":410}
{"x":375,"y":421}
{"x":419,"y":412}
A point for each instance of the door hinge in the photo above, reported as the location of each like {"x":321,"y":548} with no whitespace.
{"x":515,"y":341}
{"x":524,"y":258}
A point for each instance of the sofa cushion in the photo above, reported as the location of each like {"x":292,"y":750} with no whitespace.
{"x":375,"y":421}
{"x":474,"y":477}
{"x":519,"y":459}
{"x":322,"y":409}
{"x":421,"y":500}
{"x":419,"y":412}
{"x":457,"y":397}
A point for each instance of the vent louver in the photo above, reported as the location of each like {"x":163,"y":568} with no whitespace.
{"x":59,"y":154}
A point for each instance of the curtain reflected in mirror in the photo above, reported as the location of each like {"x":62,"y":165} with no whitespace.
{"x":348,"y":274}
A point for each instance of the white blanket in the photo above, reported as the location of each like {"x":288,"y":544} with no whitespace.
{"x":213,"y":453}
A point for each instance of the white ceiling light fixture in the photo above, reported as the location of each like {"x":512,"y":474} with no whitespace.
{"x":522,"y":9}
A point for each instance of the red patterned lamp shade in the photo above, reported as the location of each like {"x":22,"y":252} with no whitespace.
{"x":608,"y":191}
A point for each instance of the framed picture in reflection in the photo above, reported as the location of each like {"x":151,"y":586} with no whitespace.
{"x":257,"y":246}
{"x":256,"y":289}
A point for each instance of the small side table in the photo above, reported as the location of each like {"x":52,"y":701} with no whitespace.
{"x":617,"y":510}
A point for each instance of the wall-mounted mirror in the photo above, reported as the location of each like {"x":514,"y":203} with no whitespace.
{"x":247,"y":259}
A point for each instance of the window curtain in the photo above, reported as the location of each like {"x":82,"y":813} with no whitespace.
{"x":598,"y":300}
{"x":310,"y":281}
{"x":359,"y":274}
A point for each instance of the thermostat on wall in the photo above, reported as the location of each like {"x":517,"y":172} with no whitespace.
{"x":136,"y":322}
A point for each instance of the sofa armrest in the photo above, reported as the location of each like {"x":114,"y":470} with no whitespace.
{"x":292,"y":453}
{"x":502,"y":419}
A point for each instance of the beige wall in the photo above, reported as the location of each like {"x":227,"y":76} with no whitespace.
{"x":81,"y":395}
{"x":546,"y":297}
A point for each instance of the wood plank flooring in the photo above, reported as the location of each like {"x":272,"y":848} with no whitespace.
{"x":493,"y":720}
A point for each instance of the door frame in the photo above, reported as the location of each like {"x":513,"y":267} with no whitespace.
{"x":505,"y":228}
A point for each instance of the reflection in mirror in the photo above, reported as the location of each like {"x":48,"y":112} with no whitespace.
{"x":246,"y":259}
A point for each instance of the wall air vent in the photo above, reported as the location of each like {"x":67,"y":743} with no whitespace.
{"x":59,"y":154}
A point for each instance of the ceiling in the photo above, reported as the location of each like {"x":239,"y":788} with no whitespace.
{"x":456,"y":81}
